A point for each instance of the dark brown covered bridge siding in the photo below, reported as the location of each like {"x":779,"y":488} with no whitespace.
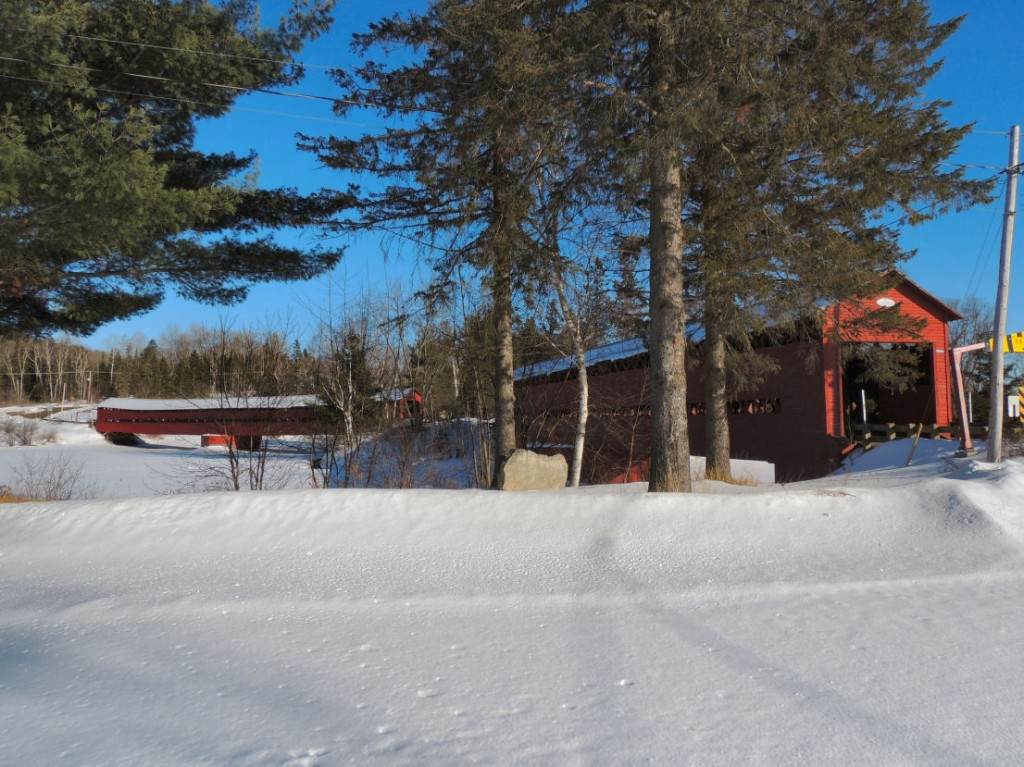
{"x":791,"y":434}
{"x":618,"y":431}
{"x":236,"y":422}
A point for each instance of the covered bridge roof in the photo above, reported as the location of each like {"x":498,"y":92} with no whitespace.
{"x":617,"y":350}
{"x":211,"y":403}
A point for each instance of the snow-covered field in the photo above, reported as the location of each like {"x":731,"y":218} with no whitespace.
{"x":873,"y":617}
{"x":160,"y":466}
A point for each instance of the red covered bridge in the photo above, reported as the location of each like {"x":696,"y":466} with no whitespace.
{"x":799,"y":417}
{"x":238,"y":418}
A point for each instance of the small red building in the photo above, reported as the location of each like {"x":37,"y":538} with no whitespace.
{"x":404,"y":403}
{"x":799,"y":417}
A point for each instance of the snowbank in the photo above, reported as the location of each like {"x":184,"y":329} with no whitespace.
{"x":869,"y":617}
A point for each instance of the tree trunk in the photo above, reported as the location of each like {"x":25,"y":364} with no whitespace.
{"x":453,"y":360}
{"x":670,"y":442}
{"x":504,"y":391}
{"x":582,"y":414}
{"x":8,"y":363}
{"x":716,"y":416}
{"x":579,"y":348}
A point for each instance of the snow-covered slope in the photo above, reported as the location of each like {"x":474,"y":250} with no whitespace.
{"x":868,"y":618}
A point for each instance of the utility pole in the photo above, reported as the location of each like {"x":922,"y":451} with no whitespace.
{"x":995,"y":413}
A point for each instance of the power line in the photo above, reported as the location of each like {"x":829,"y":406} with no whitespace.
{"x":966,"y":165}
{"x":269,"y":92}
{"x":333,"y":121}
{"x":161,"y":78}
{"x":109,"y":90}
{"x":234,"y":88}
{"x":920,"y":211}
{"x":326,"y":67}
{"x":300,"y":95}
{"x":981,"y":260}
{"x":196,"y":51}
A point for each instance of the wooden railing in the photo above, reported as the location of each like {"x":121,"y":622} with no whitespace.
{"x":868,"y":434}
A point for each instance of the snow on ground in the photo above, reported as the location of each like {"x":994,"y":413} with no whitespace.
{"x":871,"y":617}
{"x":158,"y":465}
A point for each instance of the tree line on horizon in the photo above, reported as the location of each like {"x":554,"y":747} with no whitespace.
{"x":348,"y":364}
{"x":687,"y":163}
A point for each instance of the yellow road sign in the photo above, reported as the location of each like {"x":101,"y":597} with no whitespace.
{"x":1012,"y":343}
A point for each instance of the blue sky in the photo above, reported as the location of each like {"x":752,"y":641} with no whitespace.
{"x":957,"y":255}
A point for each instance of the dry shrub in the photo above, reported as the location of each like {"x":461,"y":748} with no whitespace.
{"x":7,"y":495}
{"x":53,"y":478}
{"x":741,"y":480}
{"x":19,"y":431}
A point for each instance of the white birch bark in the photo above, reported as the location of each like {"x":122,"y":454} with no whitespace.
{"x":572,"y":320}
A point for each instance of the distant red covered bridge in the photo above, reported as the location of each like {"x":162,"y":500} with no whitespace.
{"x":239,"y":418}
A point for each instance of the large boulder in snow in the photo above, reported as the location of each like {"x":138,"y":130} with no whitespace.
{"x":526,"y":470}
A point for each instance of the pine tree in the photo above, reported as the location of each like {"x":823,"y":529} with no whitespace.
{"x":774,"y":136}
{"x":820,"y":129}
{"x":461,"y":162}
{"x":646,"y":98}
{"x":105,"y":202}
